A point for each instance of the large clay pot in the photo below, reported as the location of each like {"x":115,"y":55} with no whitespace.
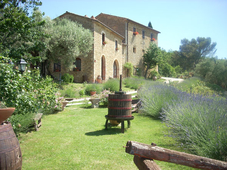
{"x":6,"y":113}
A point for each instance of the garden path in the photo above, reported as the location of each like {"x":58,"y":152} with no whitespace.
{"x":81,"y":100}
{"x":171,"y":79}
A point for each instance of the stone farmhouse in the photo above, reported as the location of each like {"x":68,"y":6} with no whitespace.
{"x":117,"y":40}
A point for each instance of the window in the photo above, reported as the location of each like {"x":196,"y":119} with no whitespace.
{"x":103,"y":39}
{"x":134,"y":29}
{"x":143,"y":34}
{"x":57,"y":67}
{"x":77,"y":65}
{"x":115,"y":69}
{"x":116,"y":45}
{"x":134,"y":49}
{"x":151,"y":36}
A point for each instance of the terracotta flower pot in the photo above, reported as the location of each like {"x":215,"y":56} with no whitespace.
{"x":6,"y":113}
{"x":92,"y":93}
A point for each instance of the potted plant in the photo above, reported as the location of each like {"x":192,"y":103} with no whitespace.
{"x":153,"y":39}
{"x":5,"y":112}
{"x":104,"y":43}
{"x":92,"y":89}
{"x":135,"y":33}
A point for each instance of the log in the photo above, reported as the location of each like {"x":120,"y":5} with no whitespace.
{"x":162,"y":154}
{"x":145,"y":164}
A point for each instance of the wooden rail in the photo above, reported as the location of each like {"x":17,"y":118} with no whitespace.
{"x":144,"y":155}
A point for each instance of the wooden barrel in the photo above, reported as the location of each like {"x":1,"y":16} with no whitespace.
{"x":10,"y":152}
{"x":119,"y":106}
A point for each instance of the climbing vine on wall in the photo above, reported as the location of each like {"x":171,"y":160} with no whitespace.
{"x":129,"y":66}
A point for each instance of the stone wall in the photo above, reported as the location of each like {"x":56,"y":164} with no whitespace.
{"x":137,"y":45}
{"x":108,"y":51}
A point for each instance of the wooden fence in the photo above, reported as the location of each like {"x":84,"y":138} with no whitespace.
{"x":145,"y":154}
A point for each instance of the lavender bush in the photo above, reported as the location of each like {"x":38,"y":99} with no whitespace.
{"x":199,"y":123}
{"x":134,"y":82}
{"x":155,"y":96}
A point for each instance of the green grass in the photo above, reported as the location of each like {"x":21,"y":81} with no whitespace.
{"x":76,"y":139}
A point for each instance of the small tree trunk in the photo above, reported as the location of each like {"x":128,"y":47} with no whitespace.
{"x":145,"y":75}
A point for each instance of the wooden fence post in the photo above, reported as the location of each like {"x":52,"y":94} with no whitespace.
{"x":162,"y":154}
{"x":145,"y":164}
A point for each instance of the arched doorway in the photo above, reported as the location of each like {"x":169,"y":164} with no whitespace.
{"x":103,"y":68}
{"x":115,"y":69}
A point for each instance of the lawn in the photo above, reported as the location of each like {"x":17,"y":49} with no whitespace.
{"x":76,"y":139}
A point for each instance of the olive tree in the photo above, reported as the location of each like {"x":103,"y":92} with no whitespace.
{"x":68,"y":40}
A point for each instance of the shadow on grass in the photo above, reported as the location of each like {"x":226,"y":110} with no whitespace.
{"x":109,"y":131}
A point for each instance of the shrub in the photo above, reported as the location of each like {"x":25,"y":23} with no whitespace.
{"x":196,"y":86}
{"x":68,"y":78}
{"x":134,"y":82}
{"x":112,"y":85}
{"x":129,"y":67}
{"x":155,"y":96}
{"x":28,"y":93}
{"x":213,"y":70}
{"x":199,"y":123}
{"x":21,"y":123}
{"x":82,"y":92}
{"x":167,"y":70}
{"x":93,"y":87}
{"x":154,"y":73}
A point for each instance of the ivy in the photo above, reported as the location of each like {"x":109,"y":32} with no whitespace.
{"x":129,"y":66}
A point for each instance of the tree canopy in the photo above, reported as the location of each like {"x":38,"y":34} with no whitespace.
{"x":18,"y":36}
{"x":68,"y":40}
{"x":191,"y":52}
{"x":151,"y":57}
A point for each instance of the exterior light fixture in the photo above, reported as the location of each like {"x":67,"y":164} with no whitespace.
{"x":22,"y":65}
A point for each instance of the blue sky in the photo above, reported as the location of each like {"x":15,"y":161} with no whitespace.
{"x":175,"y":19}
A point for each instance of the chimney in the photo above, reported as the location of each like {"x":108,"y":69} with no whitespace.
{"x":92,"y":17}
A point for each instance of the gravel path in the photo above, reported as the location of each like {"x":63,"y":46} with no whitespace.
{"x":170,"y":79}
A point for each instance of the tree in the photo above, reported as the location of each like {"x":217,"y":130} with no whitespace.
{"x":17,"y":34}
{"x":150,"y":25}
{"x":68,"y":40}
{"x":213,"y":70}
{"x":191,"y":52}
{"x":165,"y":68}
{"x":151,"y":58}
